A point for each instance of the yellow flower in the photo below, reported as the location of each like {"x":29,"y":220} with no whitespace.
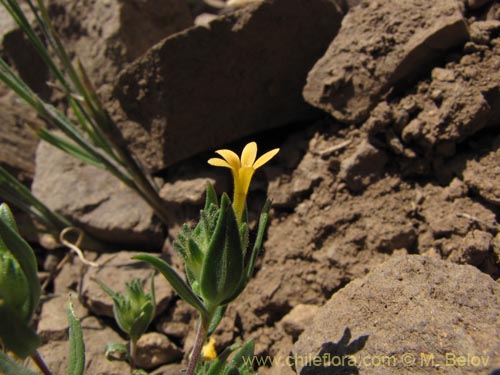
{"x":242,"y":170}
{"x":208,"y":351}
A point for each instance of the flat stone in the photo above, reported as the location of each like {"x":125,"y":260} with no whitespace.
{"x":94,"y":200}
{"x":210,"y":85}
{"x":155,"y":349}
{"x":117,"y":269}
{"x":53,"y":323}
{"x":406,"y":309}
{"x":96,"y":336}
{"x":107,"y":35}
{"x":379,"y":44}
{"x":298,"y":319}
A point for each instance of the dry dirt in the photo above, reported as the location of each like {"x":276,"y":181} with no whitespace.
{"x":405,"y":162}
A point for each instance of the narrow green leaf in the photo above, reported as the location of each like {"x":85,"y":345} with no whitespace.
{"x":217,"y":317}
{"x":244,"y":355}
{"x":10,"y":367}
{"x":263,"y":220}
{"x":179,"y":285}
{"x":218,"y":364}
{"x":76,"y":364}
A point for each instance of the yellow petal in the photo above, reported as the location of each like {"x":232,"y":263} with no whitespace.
{"x":265,"y":158}
{"x":231,"y":158}
{"x":216,"y":162}
{"x":249,"y":154}
{"x":241,"y":185}
{"x":208,"y":351}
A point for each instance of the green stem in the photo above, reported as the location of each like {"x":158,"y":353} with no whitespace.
{"x":40,"y":363}
{"x":198,"y":344}
{"x":133,"y":353}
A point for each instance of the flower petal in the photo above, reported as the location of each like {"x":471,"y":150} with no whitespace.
{"x":265,"y":158}
{"x":249,"y":154}
{"x":231,"y":158}
{"x":217,"y":162}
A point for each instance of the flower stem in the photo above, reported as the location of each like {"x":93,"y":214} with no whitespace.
{"x":40,"y":363}
{"x":198,"y":344}
{"x":132,"y":353}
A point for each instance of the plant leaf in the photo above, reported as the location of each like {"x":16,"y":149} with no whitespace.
{"x":23,"y":254}
{"x":179,"y":285}
{"x":10,"y":367}
{"x":116,"y":351}
{"x":76,"y":364}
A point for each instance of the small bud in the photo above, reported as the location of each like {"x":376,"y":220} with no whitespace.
{"x":133,"y":310}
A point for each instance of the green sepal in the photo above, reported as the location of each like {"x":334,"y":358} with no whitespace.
{"x":76,"y":364}
{"x":116,"y":351}
{"x":143,"y":321}
{"x":211,"y":197}
{"x":250,"y":264}
{"x":15,"y":333}
{"x":10,"y":367}
{"x":179,"y":285}
{"x":223,"y":267}
{"x":244,"y":237}
{"x":11,"y":241}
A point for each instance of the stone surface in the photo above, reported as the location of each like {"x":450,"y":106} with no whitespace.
{"x":482,"y":174}
{"x":208,"y":86}
{"x":17,"y":154}
{"x":364,"y":166}
{"x":405,"y":307}
{"x":96,"y":336}
{"x":53,"y":325}
{"x":94,"y":200}
{"x":174,"y":369}
{"x":106,"y":35}
{"x":377,"y":46}
{"x":298,"y":319}
{"x":155,"y":349}
{"x":115,"y":270}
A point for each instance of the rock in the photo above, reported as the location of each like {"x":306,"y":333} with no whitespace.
{"x":205,"y":87}
{"x":298,"y":319}
{"x":169,"y":370}
{"x":377,"y":46}
{"x":182,"y":192}
{"x":53,"y":325}
{"x":115,"y":270}
{"x":475,"y":248}
{"x":481,"y":175}
{"x":96,"y":336}
{"x":155,"y":349}
{"x":475,"y":4}
{"x":106,"y":35}
{"x":94,"y":200}
{"x":17,"y":154}
{"x":363,"y":167}
{"x":408,"y":310}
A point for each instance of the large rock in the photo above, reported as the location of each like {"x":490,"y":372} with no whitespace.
{"x":106,"y":35}
{"x":381,"y":43}
{"x":411,"y":312}
{"x":17,"y":153}
{"x":94,"y":200}
{"x":210,"y":85}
